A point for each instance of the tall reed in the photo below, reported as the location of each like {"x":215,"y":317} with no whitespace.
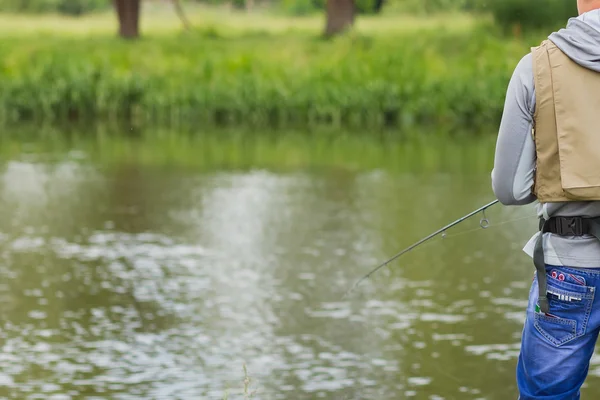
{"x":434,"y":77}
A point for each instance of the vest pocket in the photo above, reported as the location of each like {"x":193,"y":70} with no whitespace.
{"x":582,"y":194}
{"x":568,"y":316}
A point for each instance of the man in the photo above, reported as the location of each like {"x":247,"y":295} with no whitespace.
{"x":548,"y":150}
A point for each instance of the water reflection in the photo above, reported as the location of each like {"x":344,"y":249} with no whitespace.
{"x":134,"y":282}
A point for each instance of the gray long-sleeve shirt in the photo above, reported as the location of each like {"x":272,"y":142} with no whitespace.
{"x":515,"y":158}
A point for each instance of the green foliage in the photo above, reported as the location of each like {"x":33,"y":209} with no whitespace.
{"x":301,"y":7}
{"x":531,"y":14}
{"x":424,"y":6}
{"x":365,"y":6}
{"x":78,"y":7}
{"x":429,"y":7}
{"x":456,"y":79}
{"x":69,"y":7}
{"x":239,"y":4}
{"x":306,"y":7}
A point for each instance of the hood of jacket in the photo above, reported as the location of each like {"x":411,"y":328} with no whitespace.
{"x":580,"y":40}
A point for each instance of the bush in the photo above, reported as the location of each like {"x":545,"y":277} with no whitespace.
{"x":305,"y":7}
{"x":531,"y":14}
{"x":78,"y":7}
{"x":353,"y":81}
{"x":69,"y":7}
{"x":365,"y":6}
{"x":424,"y":6}
{"x":300,"y":7}
{"x":428,"y":7}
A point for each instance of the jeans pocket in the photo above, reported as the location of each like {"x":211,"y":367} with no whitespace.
{"x":569,"y":311}
{"x":557,"y":331}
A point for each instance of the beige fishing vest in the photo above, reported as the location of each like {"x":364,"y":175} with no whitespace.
{"x":566,"y":127}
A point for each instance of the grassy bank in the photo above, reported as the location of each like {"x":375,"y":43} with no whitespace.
{"x":436,"y":72}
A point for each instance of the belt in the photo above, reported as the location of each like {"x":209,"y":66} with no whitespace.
{"x":563,"y":226}
{"x":567,"y":226}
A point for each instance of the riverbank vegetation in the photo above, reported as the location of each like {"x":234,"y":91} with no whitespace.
{"x":258,"y":68}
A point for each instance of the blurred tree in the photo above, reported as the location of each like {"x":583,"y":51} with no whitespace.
{"x":180,"y":12}
{"x":340,"y":16}
{"x":68,"y":7}
{"x":128,"y":12}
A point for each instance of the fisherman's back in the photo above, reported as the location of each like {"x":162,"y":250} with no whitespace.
{"x":549,"y":150}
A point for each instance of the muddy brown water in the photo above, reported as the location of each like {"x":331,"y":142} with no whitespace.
{"x":134,"y":281}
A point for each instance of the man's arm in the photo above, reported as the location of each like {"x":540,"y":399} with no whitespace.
{"x":514,"y":163}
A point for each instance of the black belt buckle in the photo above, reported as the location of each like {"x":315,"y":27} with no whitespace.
{"x":569,"y":226}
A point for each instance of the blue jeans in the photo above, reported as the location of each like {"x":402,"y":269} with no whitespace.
{"x":556,"y":348}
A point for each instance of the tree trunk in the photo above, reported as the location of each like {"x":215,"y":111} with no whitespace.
{"x":340,"y":16}
{"x":128,"y":12}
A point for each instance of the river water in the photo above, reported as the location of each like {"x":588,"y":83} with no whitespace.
{"x":123,"y":278}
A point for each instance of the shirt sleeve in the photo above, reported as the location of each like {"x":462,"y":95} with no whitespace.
{"x":515,"y":158}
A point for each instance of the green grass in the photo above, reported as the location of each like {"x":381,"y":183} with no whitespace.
{"x":248,"y":69}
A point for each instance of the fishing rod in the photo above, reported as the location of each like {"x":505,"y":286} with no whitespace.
{"x":484,"y":223}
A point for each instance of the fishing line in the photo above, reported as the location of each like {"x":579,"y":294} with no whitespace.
{"x":484,"y":223}
{"x":490,"y":226}
{"x":421,"y":356}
